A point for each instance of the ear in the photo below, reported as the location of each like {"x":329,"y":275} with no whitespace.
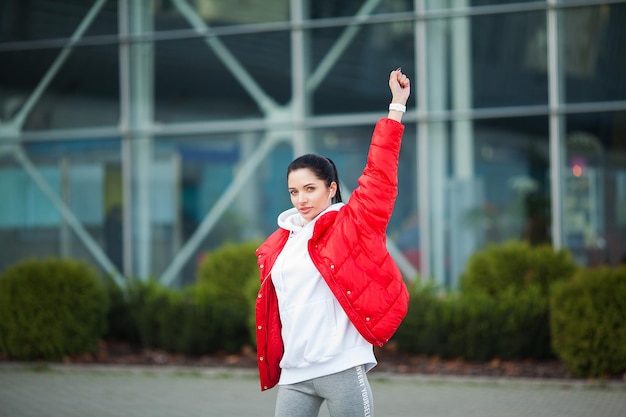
{"x":332,"y":190}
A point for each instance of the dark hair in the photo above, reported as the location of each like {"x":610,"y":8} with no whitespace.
{"x":323,"y":168}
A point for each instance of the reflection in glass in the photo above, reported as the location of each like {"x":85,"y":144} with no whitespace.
{"x":593,"y":54}
{"x":85,"y":176}
{"x":83,"y":91}
{"x":512,"y":161}
{"x":194,"y":83}
{"x":175,"y":14}
{"x":44,"y":19}
{"x":595,"y":188}
{"x":321,"y":9}
{"x":508,"y":59}
{"x":191,"y":175}
{"x":504,"y":197}
{"x":357,"y":78}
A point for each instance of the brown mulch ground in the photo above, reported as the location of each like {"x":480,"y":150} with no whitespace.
{"x":389,"y":360}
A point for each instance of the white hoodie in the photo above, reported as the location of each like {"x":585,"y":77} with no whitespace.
{"x":318,"y":337}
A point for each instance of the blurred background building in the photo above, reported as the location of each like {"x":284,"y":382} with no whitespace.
{"x":137,"y":135}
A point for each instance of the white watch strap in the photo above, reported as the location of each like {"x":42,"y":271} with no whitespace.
{"x":397,"y":107}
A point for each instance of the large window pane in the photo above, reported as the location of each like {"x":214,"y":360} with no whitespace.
{"x":83,"y":91}
{"x":321,"y":9}
{"x":85,"y":176}
{"x":176,"y":14}
{"x":194,"y":83}
{"x":20,"y":72}
{"x":595,"y":188}
{"x":512,"y":162}
{"x":509,"y":60}
{"x":593,"y":53}
{"x":190,"y":175}
{"x":486,"y":187}
{"x":46,"y":19}
{"x":357,"y":80}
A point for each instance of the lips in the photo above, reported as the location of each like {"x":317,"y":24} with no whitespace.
{"x":305,"y":210}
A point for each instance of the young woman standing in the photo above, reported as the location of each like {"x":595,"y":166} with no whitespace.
{"x":330,"y":291}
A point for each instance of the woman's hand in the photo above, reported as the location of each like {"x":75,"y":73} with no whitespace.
{"x":400,"y":87}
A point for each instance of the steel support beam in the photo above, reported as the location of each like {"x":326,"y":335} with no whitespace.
{"x":556,"y":124}
{"x":422,"y":173}
{"x":137,"y":104}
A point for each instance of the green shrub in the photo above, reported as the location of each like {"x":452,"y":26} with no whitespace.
{"x":588,"y":322}
{"x":476,"y":326}
{"x":511,"y":326}
{"x":523,"y":324}
{"x":159,"y":315}
{"x":191,"y":320}
{"x":516,"y":265}
{"x":121,"y":325}
{"x":229,"y":267}
{"x":226,"y":274}
{"x":203,"y":335}
{"x":50,"y":309}
{"x":210,"y":316}
{"x":422,"y":331}
{"x":141,"y":298}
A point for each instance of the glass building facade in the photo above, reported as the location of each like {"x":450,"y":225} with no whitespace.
{"x":137,"y":135}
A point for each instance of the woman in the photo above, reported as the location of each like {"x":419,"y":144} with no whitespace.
{"x":329,"y":289}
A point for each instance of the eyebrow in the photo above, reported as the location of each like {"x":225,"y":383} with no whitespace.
{"x":305,"y":185}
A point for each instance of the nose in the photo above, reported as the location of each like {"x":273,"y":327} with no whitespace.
{"x":302,"y":198}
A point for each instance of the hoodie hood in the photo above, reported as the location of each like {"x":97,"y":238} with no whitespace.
{"x":292,"y":220}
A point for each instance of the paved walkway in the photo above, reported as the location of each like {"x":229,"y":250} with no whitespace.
{"x":97,"y":391}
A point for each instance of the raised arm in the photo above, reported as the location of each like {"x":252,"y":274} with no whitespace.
{"x":400,"y":87}
{"x":373,"y":200}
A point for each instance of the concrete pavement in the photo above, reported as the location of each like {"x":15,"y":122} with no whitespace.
{"x":56,"y":390}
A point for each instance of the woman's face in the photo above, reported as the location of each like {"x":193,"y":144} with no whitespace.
{"x":309,"y":194}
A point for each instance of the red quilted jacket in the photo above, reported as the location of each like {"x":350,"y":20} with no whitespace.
{"x":348,"y":247}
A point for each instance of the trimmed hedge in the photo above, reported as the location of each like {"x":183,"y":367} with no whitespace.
{"x":421,"y":331}
{"x":589,"y":322}
{"x":181,"y":321}
{"x":516,"y":265}
{"x":210,"y":316}
{"x":121,"y":325}
{"x":229,"y":267}
{"x":228,"y":274}
{"x":50,"y":309}
{"x":475,"y":326}
{"x":501,"y":311}
{"x":55,"y":308}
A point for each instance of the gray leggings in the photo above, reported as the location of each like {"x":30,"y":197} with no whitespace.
{"x":347,"y":394}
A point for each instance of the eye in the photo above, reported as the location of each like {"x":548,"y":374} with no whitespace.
{"x":293,"y":192}
{"x":310,"y":189}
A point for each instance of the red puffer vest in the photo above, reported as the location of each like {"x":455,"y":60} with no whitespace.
{"x":348,"y":247}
